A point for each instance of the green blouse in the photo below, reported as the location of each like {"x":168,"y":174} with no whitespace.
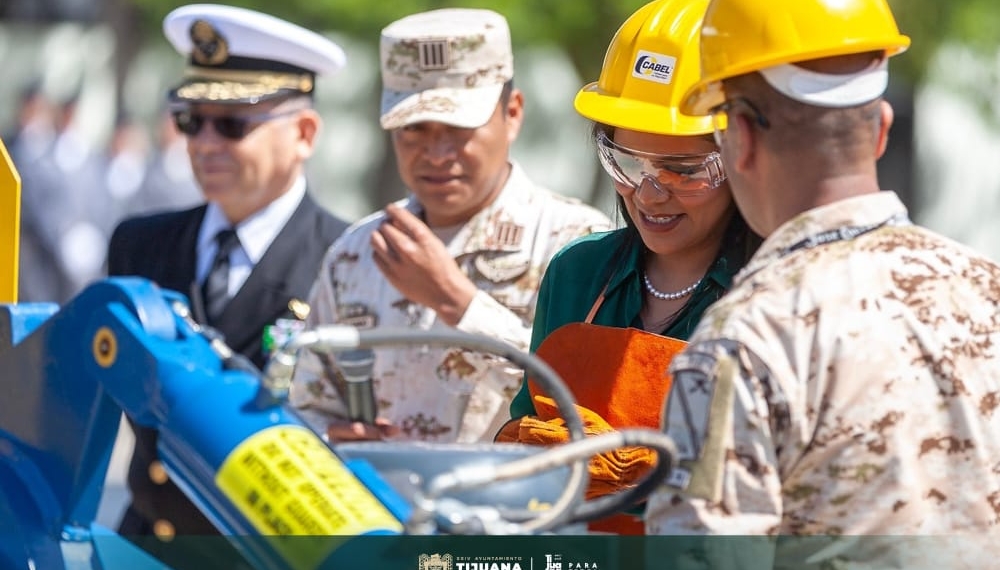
{"x":577,"y":275}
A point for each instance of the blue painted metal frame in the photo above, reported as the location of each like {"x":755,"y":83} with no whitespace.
{"x":65,"y":378}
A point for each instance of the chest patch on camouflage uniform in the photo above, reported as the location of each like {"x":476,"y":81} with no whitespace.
{"x":501,"y":267}
{"x":357,"y":315}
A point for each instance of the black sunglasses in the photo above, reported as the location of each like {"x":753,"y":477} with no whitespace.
{"x":232,"y":127}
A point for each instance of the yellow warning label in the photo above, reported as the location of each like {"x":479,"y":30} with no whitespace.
{"x":287,"y":482}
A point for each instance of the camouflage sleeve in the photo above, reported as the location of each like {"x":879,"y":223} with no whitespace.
{"x":489,"y":317}
{"x":720,"y":413}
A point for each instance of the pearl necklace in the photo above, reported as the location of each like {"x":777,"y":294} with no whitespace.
{"x":670,"y":296}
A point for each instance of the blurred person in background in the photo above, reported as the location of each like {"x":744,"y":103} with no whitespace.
{"x":126,"y":162}
{"x":168,"y":183}
{"x":27,"y":142}
{"x":34,"y":130}
{"x":66,"y":213}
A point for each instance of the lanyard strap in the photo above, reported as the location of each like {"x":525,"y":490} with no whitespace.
{"x":842,"y":233}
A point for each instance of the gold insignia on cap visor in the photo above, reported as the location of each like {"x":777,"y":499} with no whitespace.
{"x":227,"y":84}
{"x":209,"y":47}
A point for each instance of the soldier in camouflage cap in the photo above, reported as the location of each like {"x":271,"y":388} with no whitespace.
{"x":466,"y":249}
{"x":448,"y":66}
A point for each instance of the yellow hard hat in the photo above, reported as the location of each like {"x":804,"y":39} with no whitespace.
{"x":743,"y":36}
{"x":651,"y":62}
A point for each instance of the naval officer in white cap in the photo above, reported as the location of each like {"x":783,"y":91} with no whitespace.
{"x":248,"y":256}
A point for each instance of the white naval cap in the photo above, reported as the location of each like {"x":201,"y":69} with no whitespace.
{"x":242,"y":56}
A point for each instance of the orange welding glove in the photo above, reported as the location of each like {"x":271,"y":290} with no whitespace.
{"x":610,"y":471}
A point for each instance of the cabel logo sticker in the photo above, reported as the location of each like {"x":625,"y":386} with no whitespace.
{"x":654,"y":67}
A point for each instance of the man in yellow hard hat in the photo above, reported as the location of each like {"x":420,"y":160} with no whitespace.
{"x":849,"y":383}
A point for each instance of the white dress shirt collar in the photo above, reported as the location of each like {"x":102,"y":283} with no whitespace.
{"x":256,"y":232}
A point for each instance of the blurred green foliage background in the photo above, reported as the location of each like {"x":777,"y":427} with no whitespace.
{"x":584,"y":27}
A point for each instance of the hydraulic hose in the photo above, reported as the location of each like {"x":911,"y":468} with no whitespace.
{"x":337,"y":338}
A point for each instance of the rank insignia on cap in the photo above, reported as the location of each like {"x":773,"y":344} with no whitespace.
{"x":434,"y":55}
{"x":447,"y":66}
{"x":209,"y":47}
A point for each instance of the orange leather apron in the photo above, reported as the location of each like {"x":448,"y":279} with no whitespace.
{"x":618,"y":373}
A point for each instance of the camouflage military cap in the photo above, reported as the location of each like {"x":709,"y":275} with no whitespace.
{"x":446,"y":66}
{"x":242,"y":56}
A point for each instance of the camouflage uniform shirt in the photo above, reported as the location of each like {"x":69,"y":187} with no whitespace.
{"x":440,"y":393}
{"x":846,"y":385}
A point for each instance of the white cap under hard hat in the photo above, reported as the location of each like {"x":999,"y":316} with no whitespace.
{"x":829,"y":89}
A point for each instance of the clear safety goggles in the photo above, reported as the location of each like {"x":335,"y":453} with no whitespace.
{"x":682,"y":175}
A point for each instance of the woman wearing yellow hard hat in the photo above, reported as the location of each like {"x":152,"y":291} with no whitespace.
{"x":614,"y":307}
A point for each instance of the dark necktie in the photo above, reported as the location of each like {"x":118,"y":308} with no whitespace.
{"x":215,"y":290}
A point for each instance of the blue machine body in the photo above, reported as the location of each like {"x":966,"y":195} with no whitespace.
{"x":65,"y":378}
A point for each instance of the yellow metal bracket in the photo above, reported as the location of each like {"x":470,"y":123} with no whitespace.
{"x":10,"y":226}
